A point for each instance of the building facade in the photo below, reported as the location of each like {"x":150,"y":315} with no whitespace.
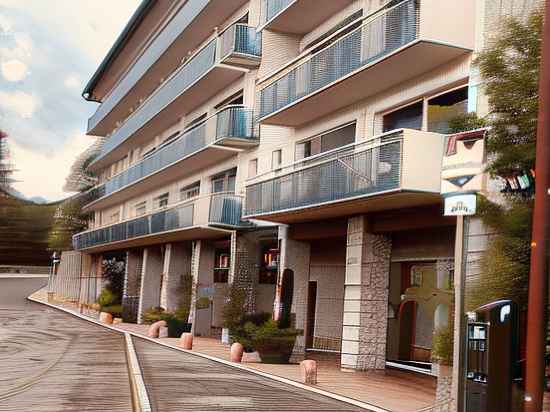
{"x":296,"y":148}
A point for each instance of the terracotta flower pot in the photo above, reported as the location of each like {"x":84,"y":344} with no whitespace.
{"x":106,"y":317}
{"x":186,"y":341}
{"x":237,"y":351}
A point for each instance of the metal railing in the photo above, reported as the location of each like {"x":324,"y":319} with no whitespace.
{"x":178,"y":217}
{"x":348,"y":173}
{"x":232,"y":122}
{"x":150,"y":56}
{"x":240,"y":39}
{"x":180,"y":81}
{"x":270,"y":8}
{"x":379,"y":35}
{"x":226,"y":210}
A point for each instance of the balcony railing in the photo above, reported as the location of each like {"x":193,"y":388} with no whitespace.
{"x":356,"y":170}
{"x":226,"y":210}
{"x":270,"y":8}
{"x":170,"y":219}
{"x":240,"y":39}
{"x":245,"y":42}
{"x":233,"y":122}
{"x":220,"y":209}
{"x":150,"y":56}
{"x":379,"y":35}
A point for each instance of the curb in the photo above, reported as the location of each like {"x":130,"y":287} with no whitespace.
{"x":140,"y":399}
{"x":290,"y":382}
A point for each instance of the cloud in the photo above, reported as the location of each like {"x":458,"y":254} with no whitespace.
{"x":72,"y":82}
{"x":37,"y":169}
{"x":14,"y":70}
{"x":21,"y":103}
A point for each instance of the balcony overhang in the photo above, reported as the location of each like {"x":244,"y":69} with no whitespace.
{"x":208,"y":156}
{"x":302,"y":16}
{"x":406,"y":63}
{"x":392,"y":200}
{"x":190,"y":26}
{"x":179,"y":235}
{"x":212,"y":82}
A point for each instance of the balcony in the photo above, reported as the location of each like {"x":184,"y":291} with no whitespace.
{"x":185,"y":31}
{"x":298,"y":16}
{"x":205,"y":217}
{"x":395,"y":170}
{"x":201,"y":77}
{"x":206,"y":143}
{"x":391,"y":46}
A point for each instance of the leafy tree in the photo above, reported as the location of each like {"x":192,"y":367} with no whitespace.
{"x":509,"y":67}
{"x":68,"y":220}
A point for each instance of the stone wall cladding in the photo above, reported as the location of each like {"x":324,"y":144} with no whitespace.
{"x":375,"y":269}
{"x":247,"y":264}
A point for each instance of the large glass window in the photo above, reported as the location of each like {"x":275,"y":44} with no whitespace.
{"x":445,"y":107}
{"x":191,"y":191}
{"x":224,"y":182}
{"x":409,"y":117}
{"x":161,"y":201}
{"x":327,"y":141}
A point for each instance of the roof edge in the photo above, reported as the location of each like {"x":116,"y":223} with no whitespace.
{"x":120,"y":42}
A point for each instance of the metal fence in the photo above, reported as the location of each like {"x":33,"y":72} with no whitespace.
{"x":379,"y":35}
{"x":241,"y":39}
{"x":235,"y":122}
{"x":344,"y":174}
{"x":177,"y":217}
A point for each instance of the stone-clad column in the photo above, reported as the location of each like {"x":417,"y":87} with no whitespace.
{"x":365,"y":298}
{"x":177,"y":263}
{"x":150,"y":280}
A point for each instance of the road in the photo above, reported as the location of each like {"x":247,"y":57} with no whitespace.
{"x":53,"y":361}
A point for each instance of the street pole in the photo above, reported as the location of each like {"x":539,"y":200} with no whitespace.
{"x":538,"y":282}
{"x":461,"y":246}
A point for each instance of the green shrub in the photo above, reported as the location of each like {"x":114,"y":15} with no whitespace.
{"x":106,"y":298}
{"x":233,"y":309}
{"x":442,"y":346}
{"x":115,"y":310}
{"x":273,"y":343}
{"x":153,"y":315}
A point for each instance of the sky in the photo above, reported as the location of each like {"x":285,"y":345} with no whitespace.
{"x":49,"y":49}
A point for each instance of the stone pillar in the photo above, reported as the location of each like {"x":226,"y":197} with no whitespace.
{"x":177,"y":263}
{"x":247,"y":255}
{"x":195,"y":259}
{"x":149,"y":296}
{"x":295,"y":256}
{"x":365,"y":297}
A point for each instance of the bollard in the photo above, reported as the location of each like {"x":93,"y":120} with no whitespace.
{"x":309,"y":372}
{"x":106,"y":317}
{"x":154,"y":329}
{"x":237,"y":351}
{"x":186,"y":341}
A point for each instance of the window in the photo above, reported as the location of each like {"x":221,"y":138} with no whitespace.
{"x":276,"y":159}
{"x":149,"y":152}
{"x":224,"y":182}
{"x":443,"y":108}
{"x":115,"y":217}
{"x":337,"y":27}
{"x":140,"y":208}
{"x":221,"y":265}
{"x":161,"y":201}
{"x":253,"y":168}
{"x":191,"y":191}
{"x":416,"y":276}
{"x":169,"y":139}
{"x":409,"y":117}
{"x":196,"y":120}
{"x":333,"y":139}
{"x":236,"y":98}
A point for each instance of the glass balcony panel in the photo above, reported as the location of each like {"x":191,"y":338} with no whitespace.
{"x":226,"y":210}
{"x":340,"y":175}
{"x":380,"y":35}
{"x":236,"y":122}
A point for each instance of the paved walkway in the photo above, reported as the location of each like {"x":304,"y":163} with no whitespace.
{"x":178,"y":381}
{"x":53,"y":362}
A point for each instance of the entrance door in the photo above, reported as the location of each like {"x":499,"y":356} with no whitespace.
{"x":311,"y":306}
{"x":407,"y":330}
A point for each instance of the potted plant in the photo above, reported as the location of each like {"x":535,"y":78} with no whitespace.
{"x":241,"y":334}
{"x":274,"y":344}
{"x":232,"y":312}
